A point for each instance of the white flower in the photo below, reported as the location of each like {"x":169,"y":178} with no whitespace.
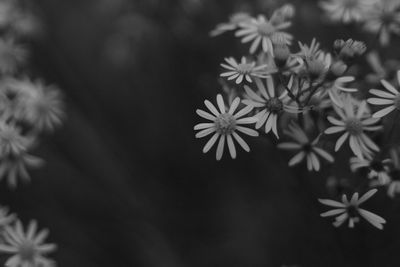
{"x":378,"y":170}
{"x":307,"y":150}
{"x":350,"y":210}
{"x":354,"y":124}
{"x":27,"y":247}
{"x":243,"y":70}
{"x":39,"y":105}
{"x":225,"y":123}
{"x":338,"y":86}
{"x":231,"y":25}
{"x":346,"y":11}
{"x":271,"y":106}
{"x":384,"y":19}
{"x":307,"y":51}
{"x":263,"y":32}
{"x":389,"y":98}
{"x":5,"y":218}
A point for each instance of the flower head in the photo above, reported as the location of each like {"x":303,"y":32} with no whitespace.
{"x":27,"y":247}
{"x":224,"y":125}
{"x":231,"y":25}
{"x":378,"y":170}
{"x":354,"y":123}
{"x":390,"y":98}
{"x":243,"y":70}
{"x":270,"y":104}
{"x":12,"y":56}
{"x":263,"y":32}
{"x":351,"y":211}
{"x":307,"y":149}
{"x":384,"y":19}
{"x":346,"y":11}
{"x":350,"y":49}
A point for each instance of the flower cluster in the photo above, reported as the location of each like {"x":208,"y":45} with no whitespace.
{"x":310,"y":98}
{"x":28,"y":107}
{"x":25,"y":247}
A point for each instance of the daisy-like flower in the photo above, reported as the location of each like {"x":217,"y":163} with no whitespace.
{"x":270,"y":104}
{"x":12,"y":56}
{"x":317,"y":66}
{"x":27,"y":246}
{"x":12,"y":142}
{"x":14,"y":168}
{"x":346,"y":11}
{"x":351,"y":211}
{"x":224,"y":125}
{"x":384,"y":19}
{"x":337,"y":87}
{"x":307,"y":149}
{"x":377,"y":170}
{"x":231,"y":25}
{"x":243,"y":70}
{"x":389,"y":98}
{"x":354,"y":123}
{"x":39,"y":105}
{"x":262,"y":32}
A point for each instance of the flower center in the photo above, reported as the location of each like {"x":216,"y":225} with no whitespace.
{"x":274,"y":105}
{"x":244,"y":68}
{"x":27,"y":251}
{"x":266,"y":29}
{"x":352,"y":211}
{"x":225,"y":124}
{"x":354,"y":126}
{"x":397,"y":102}
{"x":307,"y":147}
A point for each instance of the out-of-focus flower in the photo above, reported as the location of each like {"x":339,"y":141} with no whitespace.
{"x":5,"y":218}
{"x":346,"y":11}
{"x":350,"y":210}
{"x":271,"y":106}
{"x":12,"y":56}
{"x":393,"y":188}
{"x":307,"y":149}
{"x":38,"y":104}
{"x":14,"y":168}
{"x":26,"y":25}
{"x":225,"y":123}
{"x":7,"y":12}
{"x":384,"y":19}
{"x":284,"y":13}
{"x":338,"y":86}
{"x":381,"y":70}
{"x":12,"y":142}
{"x":377,"y":169}
{"x":262,"y":32}
{"x":389,"y":98}
{"x":232,"y":24}
{"x":354,"y":123}
{"x":349,"y":49}
{"x":27,"y":247}
{"x":243,"y":70}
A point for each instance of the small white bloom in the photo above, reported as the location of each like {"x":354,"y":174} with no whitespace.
{"x":243,"y":70}
{"x":27,"y":247}
{"x":346,"y":11}
{"x":377,"y":170}
{"x":5,"y":218}
{"x":231,"y":25}
{"x":351,"y":211}
{"x":354,"y":123}
{"x":262,"y":32}
{"x":270,"y":104}
{"x":12,"y":56}
{"x":389,"y":98}
{"x":307,"y":149}
{"x":224,"y":125}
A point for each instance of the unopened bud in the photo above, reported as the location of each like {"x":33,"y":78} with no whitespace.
{"x":282,"y":53}
{"x":338,"y":68}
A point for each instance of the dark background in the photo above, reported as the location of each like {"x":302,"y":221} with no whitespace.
{"x":126,"y":183}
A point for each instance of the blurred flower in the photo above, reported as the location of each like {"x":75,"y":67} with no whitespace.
{"x":381,"y":70}
{"x":12,"y":142}
{"x":39,"y":105}
{"x":271,"y":105}
{"x":393,"y":188}
{"x":12,"y":56}
{"x":307,"y":150}
{"x":390,"y":97}
{"x":5,"y":218}
{"x":338,"y":86}
{"x":349,"y":49}
{"x":232,"y":24}
{"x":377,"y":169}
{"x":350,"y":210}
{"x":384,"y":19}
{"x":26,"y":24}
{"x":27,"y":247}
{"x":242,"y":70}
{"x":353,"y":124}
{"x":225,"y":124}
{"x":346,"y":11}
{"x":261,"y":32}
{"x":7,"y":12}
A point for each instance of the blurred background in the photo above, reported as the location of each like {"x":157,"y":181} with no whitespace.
{"x":126,"y":183}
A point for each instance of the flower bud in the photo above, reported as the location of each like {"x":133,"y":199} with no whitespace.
{"x":282,"y":53}
{"x":338,"y":68}
{"x":350,"y":49}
